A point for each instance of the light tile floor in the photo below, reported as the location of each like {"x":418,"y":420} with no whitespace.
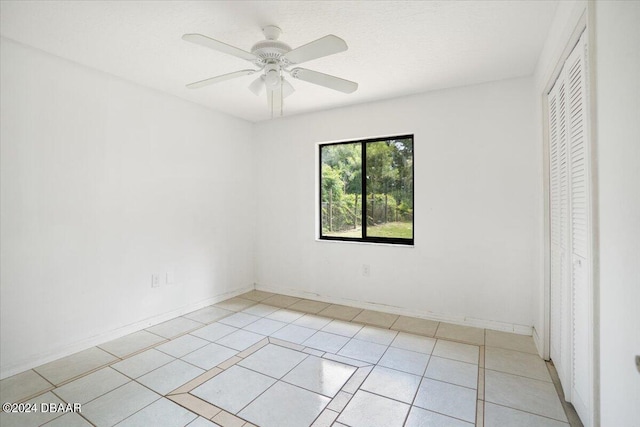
{"x":269,"y":360}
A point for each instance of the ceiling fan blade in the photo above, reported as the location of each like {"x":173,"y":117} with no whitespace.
{"x":212,"y":80}
{"x":321,"y":79}
{"x":287,"y":89}
{"x":257,"y":86}
{"x":327,"y":45}
{"x":219,"y":46}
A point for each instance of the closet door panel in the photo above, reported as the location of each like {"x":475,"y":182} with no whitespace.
{"x":554,"y":222}
{"x":560,"y":350}
{"x":580,"y":231}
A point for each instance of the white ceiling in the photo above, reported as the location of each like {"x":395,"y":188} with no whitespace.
{"x":395,"y":47}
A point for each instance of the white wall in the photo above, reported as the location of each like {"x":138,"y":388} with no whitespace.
{"x":617,"y":71}
{"x":478,"y":220}
{"x":104,"y":183}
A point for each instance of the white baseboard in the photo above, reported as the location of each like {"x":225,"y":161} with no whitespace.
{"x":67,"y":350}
{"x":429,"y":315}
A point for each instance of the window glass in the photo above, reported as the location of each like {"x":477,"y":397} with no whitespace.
{"x":342,"y":190}
{"x":390,"y":189}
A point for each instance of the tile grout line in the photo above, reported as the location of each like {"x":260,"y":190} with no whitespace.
{"x":40,"y":392}
{"x":516,"y":351}
{"x":170,"y":397}
{"x":84,"y":374}
{"x":423,"y":377}
{"x":415,"y":395}
{"x":100,"y":395}
{"x":457,"y":385}
{"x":412,"y":404}
{"x":120,"y":386}
{"x":151,"y":403}
{"x":453,"y":360}
{"x":520,"y":376}
{"x":133,"y":353}
{"x":86,"y":419}
{"x":529,"y":412}
{"x":186,"y":354}
{"x":41,"y":376}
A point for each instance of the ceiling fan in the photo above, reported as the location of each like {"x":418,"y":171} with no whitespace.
{"x":273,"y":60}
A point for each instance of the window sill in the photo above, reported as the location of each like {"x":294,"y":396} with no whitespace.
{"x":394,"y":245}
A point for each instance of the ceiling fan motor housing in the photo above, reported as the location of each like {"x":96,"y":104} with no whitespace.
{"x":270,"y":50}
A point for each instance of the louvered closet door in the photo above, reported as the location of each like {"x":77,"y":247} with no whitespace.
{"x":571,"y":320}
{"x":579,"y":180}
{"x":555,"y":347}
{"x":560,"y":289}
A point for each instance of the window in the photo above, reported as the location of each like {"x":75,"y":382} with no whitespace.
{"x":380,"y":171}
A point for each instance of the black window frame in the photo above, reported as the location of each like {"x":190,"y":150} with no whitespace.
{"x":368,"y":239}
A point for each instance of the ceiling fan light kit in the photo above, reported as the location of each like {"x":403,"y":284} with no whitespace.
{"x":273,"y":59}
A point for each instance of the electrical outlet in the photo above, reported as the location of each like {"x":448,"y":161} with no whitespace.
{"x":155,"y":280}
{"x":366,"y":270}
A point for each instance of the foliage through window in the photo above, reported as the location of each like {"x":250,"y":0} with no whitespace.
{"x":380,"y":171}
